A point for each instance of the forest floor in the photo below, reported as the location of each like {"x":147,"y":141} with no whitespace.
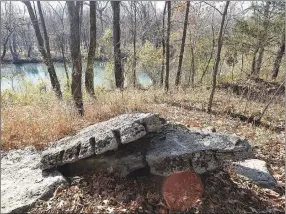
{"x":37,"y":120}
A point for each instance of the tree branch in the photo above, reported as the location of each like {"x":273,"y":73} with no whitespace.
{"x":213,"y":7}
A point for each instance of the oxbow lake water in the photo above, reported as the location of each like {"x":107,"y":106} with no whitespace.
{"x":20,"y":77}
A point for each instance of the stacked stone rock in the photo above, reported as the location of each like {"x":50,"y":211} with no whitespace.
{"x":124,"y":144}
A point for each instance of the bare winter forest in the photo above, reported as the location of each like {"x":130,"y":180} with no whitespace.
{"x":67,"y":65}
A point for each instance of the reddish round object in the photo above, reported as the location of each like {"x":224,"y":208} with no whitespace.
{"x":182,"y":190}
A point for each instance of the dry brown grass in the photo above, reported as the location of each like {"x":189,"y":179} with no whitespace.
{"x":40,"y":118}
{"x":46,"y":119}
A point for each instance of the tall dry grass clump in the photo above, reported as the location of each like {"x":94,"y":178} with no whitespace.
{"x":37,"y":119}
{"x":44,"y":119}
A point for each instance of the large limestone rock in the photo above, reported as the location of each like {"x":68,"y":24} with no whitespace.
{"x":173,"y":149}
{"x":23,"y":182}
{"x":256,"y":171}
{"x":179,"y":149}
{"x":122,"y":144}
{"x":100,"y":138}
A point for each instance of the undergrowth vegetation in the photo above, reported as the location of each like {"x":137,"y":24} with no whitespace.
{"x":36,"y":118}
{"x":39,"y":118}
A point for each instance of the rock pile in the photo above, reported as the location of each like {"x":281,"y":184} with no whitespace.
{"x":123,"y":144}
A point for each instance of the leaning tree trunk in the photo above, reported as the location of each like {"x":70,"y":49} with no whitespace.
{"x":46,"y":38}
{"x":178,"y":77}
{"x":163,"y":46}
{"x":220,"y":42}
{"x":279,"y":55}
{"x":134,"y":47}
{"x":118,"y":72}
{"x":168,"y":47}
{"x":51,"y":68}
{"x":53,"y":76}
{"x":91,"y":53}
{"x":73,"y":11}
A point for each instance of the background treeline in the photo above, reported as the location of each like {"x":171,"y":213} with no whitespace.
{"x":176,"y":43}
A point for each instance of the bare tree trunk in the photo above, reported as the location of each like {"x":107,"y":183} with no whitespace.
{"x":46,"y":38}
{"x":4,"y":50}
{"x":178,"y":77}
{"x":232,"y":74}
{"x":73,"y":11}
{"x":168,"y":47}
{"x":119,"y":78}
{"x":192,"y":69}
{"x":5,"y":45}
{"x":65,"y":63}
{"x":80,"y":5}
{"x":100,"y":11}
{"x":220,"y":42}
{"x":13,"y":48}
{"x":259,"y":61}
{"x":89,"y":85}
{"x":211,"y":56}
{"x":14,"y":44}
{"x":101,"y":21}
{"x":134,"y":47}
{"x":254,"y":61}
{"x":29,"y":42}
{"x":29,"y":51}
{"x":51,"y":67}
{"x":279,"y":55}
{"x":242,"y":62}
{"x":47,"y":58}
{"x":262,"y":39}
{"x":163,"y":46}
{"x":193,"y":66}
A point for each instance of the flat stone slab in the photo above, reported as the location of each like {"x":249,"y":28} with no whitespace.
{"x":172,"y":149}
{"x":256,"y":171}
{"x":100,"y":138}
{"x":23,"y":182}
{"x":178,"y":149}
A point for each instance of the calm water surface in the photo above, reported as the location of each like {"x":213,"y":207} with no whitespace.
{"x":21,"y":77}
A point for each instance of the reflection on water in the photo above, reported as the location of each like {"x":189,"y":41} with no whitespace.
{"x":19,"y":77}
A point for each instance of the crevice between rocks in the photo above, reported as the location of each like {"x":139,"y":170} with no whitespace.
{"x":77,"y":150}
{"x":62,"y":155}
{"x":117,"y":136}
{"x":92,"y":143}
{"x":144,"y":125}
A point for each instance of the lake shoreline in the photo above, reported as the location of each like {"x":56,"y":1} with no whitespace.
{"x":38,"y":60}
